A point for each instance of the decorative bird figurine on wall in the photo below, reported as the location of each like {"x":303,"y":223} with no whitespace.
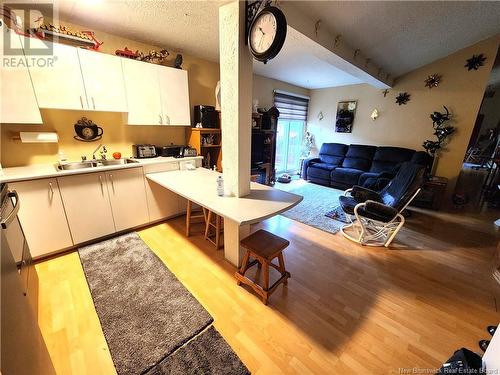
{"x":178,"y":61}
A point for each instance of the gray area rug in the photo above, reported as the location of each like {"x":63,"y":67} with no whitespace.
{"x":318,"y":201}
{"x":207,"y":353}
{"x":145,"y":312}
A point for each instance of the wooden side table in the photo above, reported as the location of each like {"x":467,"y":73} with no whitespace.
{"x":432,"y":193}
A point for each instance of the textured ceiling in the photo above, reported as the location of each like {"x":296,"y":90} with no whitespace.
{"x":397,"y":36}
{"x":400,"y":36}
{"x":185,"y":26}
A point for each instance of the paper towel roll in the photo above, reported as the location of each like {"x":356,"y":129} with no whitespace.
{"x":38,"y":137}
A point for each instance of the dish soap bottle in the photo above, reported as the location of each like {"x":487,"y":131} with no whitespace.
{"x":220,"y":186}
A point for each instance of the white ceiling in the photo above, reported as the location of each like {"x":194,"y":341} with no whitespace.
{"x":190,"y":27}
{"x":400,"y":36}
{"x":304,"y":63}
{"x":397,"y":36}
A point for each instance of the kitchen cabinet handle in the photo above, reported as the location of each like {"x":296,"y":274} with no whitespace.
{"x":51,"y":190}
{"x":81,"y":101}
{"x":102,"y":186}
{"x":93,"y":103}
{"x":161,"y":120}
{"x":112,"y":183}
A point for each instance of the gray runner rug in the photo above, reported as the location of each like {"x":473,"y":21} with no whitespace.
{"x":145,"y":312}
{"x":207,"y":353}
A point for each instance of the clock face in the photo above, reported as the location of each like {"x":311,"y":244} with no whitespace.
{"x":87,"y":133}
{"x":263,"y":32}
{"x":267,"y":34}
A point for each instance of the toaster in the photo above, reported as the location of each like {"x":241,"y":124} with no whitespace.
{"x":144,"y":151}
{"x":189,"y":151}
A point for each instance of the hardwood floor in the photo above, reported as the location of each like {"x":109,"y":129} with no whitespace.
{"x":347,"y":308}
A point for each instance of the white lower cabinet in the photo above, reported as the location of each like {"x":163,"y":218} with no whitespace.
{"x":162,"y":202}
{"x":87,"y":206}
{"x":128,"y":198}
{"x":58,"y":213}
{"x":42,"y":216}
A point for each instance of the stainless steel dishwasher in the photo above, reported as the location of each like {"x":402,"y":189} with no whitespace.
{"x":23,"y":350}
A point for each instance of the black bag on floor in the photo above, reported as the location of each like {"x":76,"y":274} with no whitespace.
{"x":463,"y":361}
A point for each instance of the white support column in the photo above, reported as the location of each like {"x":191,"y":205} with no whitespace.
{"x":236,"y":99}
{"x":236,"y":78}
{"x":233,"y":234}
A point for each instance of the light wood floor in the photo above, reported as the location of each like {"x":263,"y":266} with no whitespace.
{"x":347,"y":308}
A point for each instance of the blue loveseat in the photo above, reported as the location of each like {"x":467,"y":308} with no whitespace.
{"x":343,"y":166}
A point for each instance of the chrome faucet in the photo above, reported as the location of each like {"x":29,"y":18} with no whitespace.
{"x":102,"y":152}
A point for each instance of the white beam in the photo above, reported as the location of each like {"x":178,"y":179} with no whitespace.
{"x":342,"y":56}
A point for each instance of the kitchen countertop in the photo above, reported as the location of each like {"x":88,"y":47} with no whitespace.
{"x":37,"y":171}
{"x":199,"y":186}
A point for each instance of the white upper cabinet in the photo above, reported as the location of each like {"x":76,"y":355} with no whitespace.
{"x":18,"y":103}
{"x":174,"y":91}
{"x":58,"y":84}
{"x":103,"y":80}
{"x":143,"y":93}
{"x":156,"y":95}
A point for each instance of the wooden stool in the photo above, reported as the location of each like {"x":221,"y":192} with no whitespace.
{"x":216,"y":226}
{"x":264,"y":247}
{"x":190,"y":217}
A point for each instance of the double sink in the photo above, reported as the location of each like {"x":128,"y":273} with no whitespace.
{"x":93,"y":164}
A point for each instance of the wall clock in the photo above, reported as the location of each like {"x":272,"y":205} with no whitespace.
{"x":267,"y":33}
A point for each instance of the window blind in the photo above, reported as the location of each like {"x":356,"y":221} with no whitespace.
{"x":291,"y":107}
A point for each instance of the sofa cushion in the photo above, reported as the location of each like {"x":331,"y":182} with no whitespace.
{"x":325,"y":166}
{"x":319,"y":170}
{"x":389,"y":158}
{"x":359,"y":157}
{"x":348,"y":176}
{"x":332,"y":153}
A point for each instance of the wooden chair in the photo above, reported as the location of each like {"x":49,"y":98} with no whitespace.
{"x":213,"y":229}
{"x":190,"y":217}
{"x":264,"y":247}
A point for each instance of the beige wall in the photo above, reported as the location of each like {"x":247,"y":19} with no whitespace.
{"x":203,"y":76}
{"x":409,"y":125}
{"x":263,"y":90}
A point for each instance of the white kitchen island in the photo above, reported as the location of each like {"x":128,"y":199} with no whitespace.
{"x":200,"y":187}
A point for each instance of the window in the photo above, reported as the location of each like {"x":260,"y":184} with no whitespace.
{"x":291,"y":129}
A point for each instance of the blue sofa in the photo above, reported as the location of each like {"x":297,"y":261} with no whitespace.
{"x":343,"y":166}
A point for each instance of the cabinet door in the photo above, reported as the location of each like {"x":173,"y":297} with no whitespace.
{"x":174,"y":96}
{"x":162,"y":203}
{"x":87,"y":205}
{"x":103,"y":79}
{"x":143,"y":93}
{"x":42,"y":216}
{"x":18,"y":103}
{"x":58,"y":83}
{"x":128,"y":198}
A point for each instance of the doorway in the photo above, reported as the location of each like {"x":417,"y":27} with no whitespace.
{"x":289,"y":138}
{"x":480,"y":176}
